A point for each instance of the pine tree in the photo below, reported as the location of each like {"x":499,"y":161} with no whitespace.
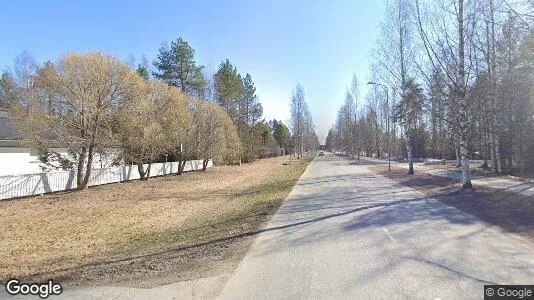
{"x":177,"y":66}
{"x":228,"y":88}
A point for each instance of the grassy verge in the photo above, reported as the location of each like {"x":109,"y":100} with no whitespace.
{"x":512,"y":212}
{"x":173,"y":228}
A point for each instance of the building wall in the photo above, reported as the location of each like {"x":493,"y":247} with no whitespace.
{"x":19,"y":160}
{"x":16,"y":160}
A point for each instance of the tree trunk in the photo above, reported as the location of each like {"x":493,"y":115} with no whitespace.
{"x":466,"y":177}
{"x":409,"y":151}
{"x":88,"y":168}
{"x":205,"y":164}
{"x":181,"y":166}
{"x":486,"y":151}
{"x":141,"y":170}
{"x":81,"y":162}
{"x":496,"y":161}
{"x":301,"y":148}
{"x":378,"y":154}
{"x":523,"y":150}
{"x":492,"y":65}
{"x":498,"y":157}
{"x":464,"y":150}
{"x":143,"y":175}
{"x":492,"y":151}
{"x":458,"y":161}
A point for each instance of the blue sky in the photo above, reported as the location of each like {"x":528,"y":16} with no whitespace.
{"x":317,"y":43}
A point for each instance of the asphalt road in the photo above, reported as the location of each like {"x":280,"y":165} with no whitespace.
{"x":346,"y":233}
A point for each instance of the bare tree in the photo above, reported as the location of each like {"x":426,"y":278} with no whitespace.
{"x":218,"y":138}
{"x":445,"y":40}
{"x":301,"y":123}
{"x":178,"y":126}
{"x":394,"y":58}
{"x":8,"y":90}
{"x":86,"y":91}
{"x":26,"y":70}
{"x":355,"y":93}
{"x":140,"y":125}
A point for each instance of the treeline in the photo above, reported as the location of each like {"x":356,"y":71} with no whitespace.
{"x":98,"y":106}
{"x":453,"y":79}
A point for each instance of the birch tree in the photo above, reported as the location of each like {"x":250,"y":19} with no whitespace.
{"x":408,"y":112}
{"x":301,"y":123}
{"x":298,"y":115}
{"x":394,"y":57}
{"x":444,"y":37}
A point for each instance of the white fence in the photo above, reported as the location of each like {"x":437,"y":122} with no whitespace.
{"x":12,"y":186}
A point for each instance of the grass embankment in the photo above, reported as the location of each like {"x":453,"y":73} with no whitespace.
{"x":197,"y":224}
{"x":512,"y":212}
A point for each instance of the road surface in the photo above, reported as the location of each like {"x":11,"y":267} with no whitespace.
{"x":347,"y":233}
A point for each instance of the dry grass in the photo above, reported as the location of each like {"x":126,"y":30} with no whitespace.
{"x":53,"y":235}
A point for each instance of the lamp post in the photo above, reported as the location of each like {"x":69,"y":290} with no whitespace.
{"x":387,"y":119}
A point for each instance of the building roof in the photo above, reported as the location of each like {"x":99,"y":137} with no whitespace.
{"x":10,"y":137}
{"x":7,"y":128}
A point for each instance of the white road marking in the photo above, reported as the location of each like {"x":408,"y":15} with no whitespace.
{"x":388,"y":234}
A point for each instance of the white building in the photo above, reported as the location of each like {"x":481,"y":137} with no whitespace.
{"x":15,"y":156}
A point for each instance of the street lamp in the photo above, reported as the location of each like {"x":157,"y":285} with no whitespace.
{"x":387,"y":120}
